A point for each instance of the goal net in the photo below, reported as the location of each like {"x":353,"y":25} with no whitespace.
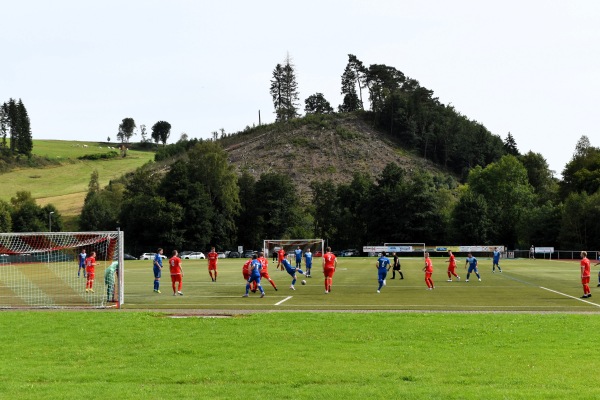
{"x":41,"y":270}
{"x":272,"y":246}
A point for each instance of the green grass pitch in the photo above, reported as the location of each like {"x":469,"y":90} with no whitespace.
{"x":170,"y":347}
{"x":524,"y":285}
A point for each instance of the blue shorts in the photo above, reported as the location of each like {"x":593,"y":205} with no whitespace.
{"x":382,"y":275}
{"x":254,"y":278}
{"x":157,"y":271}
{"x":291,"y":271}
{"x":471,"y":269}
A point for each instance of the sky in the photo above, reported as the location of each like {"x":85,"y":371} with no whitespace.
{"x":528,"y":67}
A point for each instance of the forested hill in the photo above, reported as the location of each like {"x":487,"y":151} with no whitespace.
{"x":320,"y":147}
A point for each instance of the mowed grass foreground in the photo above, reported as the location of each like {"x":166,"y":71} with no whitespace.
{"x":149,"y":355}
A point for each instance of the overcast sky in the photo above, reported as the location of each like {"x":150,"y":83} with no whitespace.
{"x":526,"y":67}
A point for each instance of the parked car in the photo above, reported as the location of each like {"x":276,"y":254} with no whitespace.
{"x":184,"y":253}
{"x":350,"y":253}
{"x":221,"y":254}
{"x":195,"y":255}
{"x":233,"y":254}
{"x":125,"y":257}
{"x":249,"y":253}
{"x":150,"y":256}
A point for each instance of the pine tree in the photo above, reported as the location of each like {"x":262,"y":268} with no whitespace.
{"x":284,"y":91}
{"x":13,"y":123}
{"x":25,"y":143}
{"x":510,"y":145}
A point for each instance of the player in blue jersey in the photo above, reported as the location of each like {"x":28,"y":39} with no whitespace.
{"x":383,"y":266}
{"x":496,"y":262}
{"x":157,"y":268}
{"x":82,"y":257}
{"x":472,"y":263}
{"x":308,"y":257}
{"x":292,"y":271}
{"x":255,"y":267}
{"x":298,"y":254}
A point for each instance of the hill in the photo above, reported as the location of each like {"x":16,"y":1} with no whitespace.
{"x":320,"y":147}
{"x":65,"y":183}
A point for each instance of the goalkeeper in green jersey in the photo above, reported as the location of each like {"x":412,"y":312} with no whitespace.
{"x":110,"y":275}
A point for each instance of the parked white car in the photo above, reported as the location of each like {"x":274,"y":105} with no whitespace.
{"x":150,"y":256}
{"x":196,"y":255}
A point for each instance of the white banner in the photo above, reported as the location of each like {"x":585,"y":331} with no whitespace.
{"x":389,"y":249}
{"x":490,"y":248}
{"x":544,"y":249}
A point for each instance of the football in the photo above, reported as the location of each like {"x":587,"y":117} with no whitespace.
{"x":303,"y":282}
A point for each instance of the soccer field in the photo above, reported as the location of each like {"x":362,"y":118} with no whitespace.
{"x":524,"y":285}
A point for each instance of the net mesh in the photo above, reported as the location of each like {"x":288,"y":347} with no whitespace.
{"x":271,"y":246}
{"x":40,"y":270}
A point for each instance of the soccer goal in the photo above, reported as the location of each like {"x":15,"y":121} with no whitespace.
{"x":41,"y":270}
{"x":406,"y":249}
{"x":316,"y":246}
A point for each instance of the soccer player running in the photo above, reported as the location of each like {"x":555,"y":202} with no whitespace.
{"x":90,"y":269}
{"x":382,"y":265}
{"x":496,"y":261}
{"x":264,"y":273}
{"x":585,"y":275}
{"x":298,"y":254}
{"x":397,"y":267}
{"x":176,"y":273}
{"x":428,"y":269}
{"x":82,"y":257}
{"x":452,"y":266}
{"x":472,"y":263}
{"x":308,"y":259}
{"x":213,"y":256}
{"x":292,"y":271}
{"x":157,"y":266}
{"x":255,"y":269}
{"x":329,"y":266}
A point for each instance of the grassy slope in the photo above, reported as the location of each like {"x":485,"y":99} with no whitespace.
{"x":65,"y":185}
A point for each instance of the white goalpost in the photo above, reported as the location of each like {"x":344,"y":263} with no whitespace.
{"x":40,"y":270}
{"x":316,"y":246}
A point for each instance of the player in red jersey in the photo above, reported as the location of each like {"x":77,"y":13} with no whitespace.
{"x":585,"y":275}
{"x":246,"y":273}
{"x":428,"y":268}
{"x":90,"y":270}
{"x":451,"y":266}
{"x":212,"y":263}
{"x":263,"y":272}
{"x":329,"y":266}
{"x":176,"y":273}
{"x":280,"y":257}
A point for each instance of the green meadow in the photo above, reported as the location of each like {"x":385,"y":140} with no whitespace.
{"x":65,"y":185}
{"x":522,"y":334}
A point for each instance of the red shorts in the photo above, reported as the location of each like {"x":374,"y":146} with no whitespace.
{"x":452,"y":268}
{"x":212,"y":267}
{"x":328,"y":272}
{"x":246,"y":275}
{"x":176,"y":278}
{"x":265,"y":275}
{"x":585,"y":280}
{"x":91,"y":276}
{"x":428,"y":275}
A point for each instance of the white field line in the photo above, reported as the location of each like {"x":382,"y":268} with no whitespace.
{"x":572,"y":297}
{"x":286,"y":299}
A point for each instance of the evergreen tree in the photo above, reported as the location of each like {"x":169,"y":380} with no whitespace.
{"x":3,"y":124}
{"x":284,"y":91}
{"x":353,"y":76}
{"x":13,"y":125}
{"x":25,"y":144}
{"x":510,"y":145}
